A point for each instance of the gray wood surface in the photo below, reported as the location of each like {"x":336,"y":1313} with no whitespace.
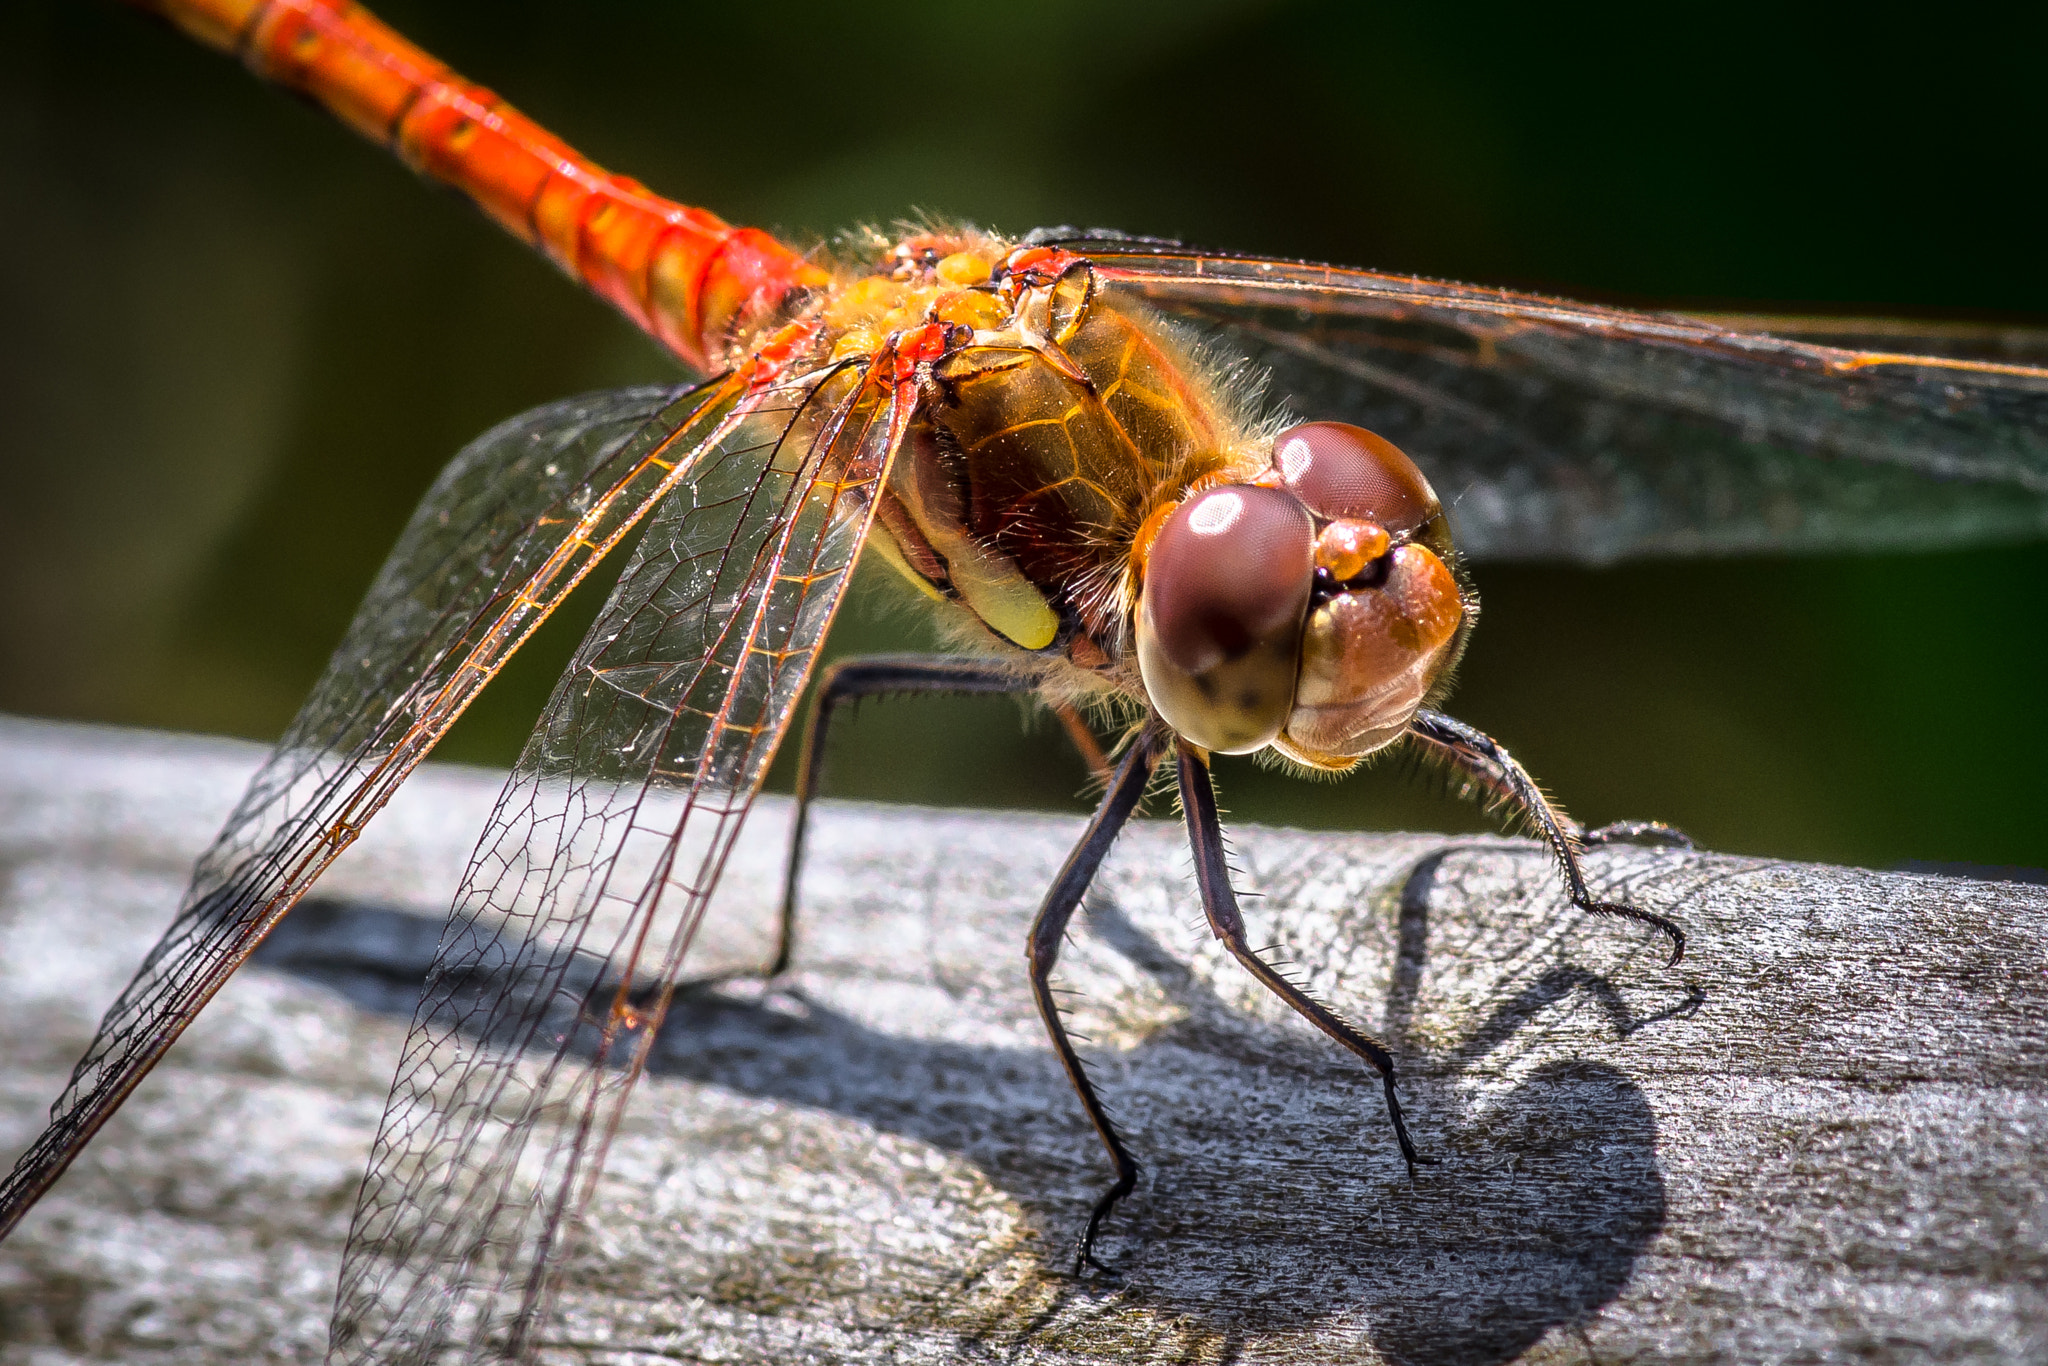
{"x":1821,"y":1138}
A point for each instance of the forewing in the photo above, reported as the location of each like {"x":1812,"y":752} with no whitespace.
{"x":1555,"y":430}
{"x":513,"y":523}
{"x":604,"y":849}
{"x":1996,"y":343}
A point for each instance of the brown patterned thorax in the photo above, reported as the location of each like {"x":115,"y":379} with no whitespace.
{"x":1046,"y":435}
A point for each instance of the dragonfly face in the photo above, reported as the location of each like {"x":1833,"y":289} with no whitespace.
{"x":1085,"y":487}
{"x":1312,"y":607}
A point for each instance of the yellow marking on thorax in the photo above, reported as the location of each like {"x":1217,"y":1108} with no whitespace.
{"x":1001,"y":596}
{"x":885,"y":545}
{"x":870,"y":309}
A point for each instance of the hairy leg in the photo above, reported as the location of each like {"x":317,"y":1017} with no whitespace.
{"x":1219,"y":901}
{"x":1042,"y":951}
{"x":849,"y":680}
{"x":1499,"y":783}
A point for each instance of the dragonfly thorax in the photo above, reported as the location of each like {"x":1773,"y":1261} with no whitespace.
{"x":1081,"y":486}
{"x":1058,"y":422}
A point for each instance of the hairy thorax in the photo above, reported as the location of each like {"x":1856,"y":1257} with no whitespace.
{"x":1054,"y":426}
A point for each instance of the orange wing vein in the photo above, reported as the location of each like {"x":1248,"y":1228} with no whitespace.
{"x":515,"y":522}
{"x":1558,"y":430}
{"x":607,"y":842}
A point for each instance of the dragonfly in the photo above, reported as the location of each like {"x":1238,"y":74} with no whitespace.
{"x":1189,"y":496}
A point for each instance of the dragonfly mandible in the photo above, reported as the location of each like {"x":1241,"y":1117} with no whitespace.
{"x":872,"y":398}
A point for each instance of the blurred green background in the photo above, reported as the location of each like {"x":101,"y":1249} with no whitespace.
{"x":238,"y":344}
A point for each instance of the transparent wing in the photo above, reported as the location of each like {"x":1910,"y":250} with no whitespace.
{"x":510,"y":527}
{"x":605,"y":846}
{"x":1556,"y":430}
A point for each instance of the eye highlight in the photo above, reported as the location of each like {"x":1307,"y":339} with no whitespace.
{"x":1226,"y":586}
{"x":1346,"y":472}
{"x":1224,"y":571}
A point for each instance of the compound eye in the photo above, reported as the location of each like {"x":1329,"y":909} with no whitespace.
{"x":1347,"y":472}
{"x":1226,"y":586}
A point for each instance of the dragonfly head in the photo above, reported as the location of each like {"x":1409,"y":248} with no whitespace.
{"x":1312,"y":609}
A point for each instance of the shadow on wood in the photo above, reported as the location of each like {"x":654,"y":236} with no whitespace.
{"x":1820,"y":1137}
{"x":1584,"y":1217}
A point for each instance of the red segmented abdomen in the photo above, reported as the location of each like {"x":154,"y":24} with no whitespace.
{"x":683,"y":274}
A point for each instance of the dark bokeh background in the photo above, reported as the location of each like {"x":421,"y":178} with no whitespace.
{"x":237,"y":343}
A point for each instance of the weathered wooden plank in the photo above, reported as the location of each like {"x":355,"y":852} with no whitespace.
{"x":1821,"y":1137}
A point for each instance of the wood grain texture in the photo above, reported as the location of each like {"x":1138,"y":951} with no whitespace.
{"x":1822,"y":1137}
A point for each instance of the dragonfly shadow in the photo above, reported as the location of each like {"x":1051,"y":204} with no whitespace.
{"x":1546,"y":1192}
{"x":1560,"y":1167}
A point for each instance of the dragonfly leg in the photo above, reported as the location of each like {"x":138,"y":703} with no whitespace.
{"x":1219,"y":901}
{"x":1042,"y":951}
{"x":1492,"y":776}
{"x":1084,"y":741}
{"x":849,"y":680}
